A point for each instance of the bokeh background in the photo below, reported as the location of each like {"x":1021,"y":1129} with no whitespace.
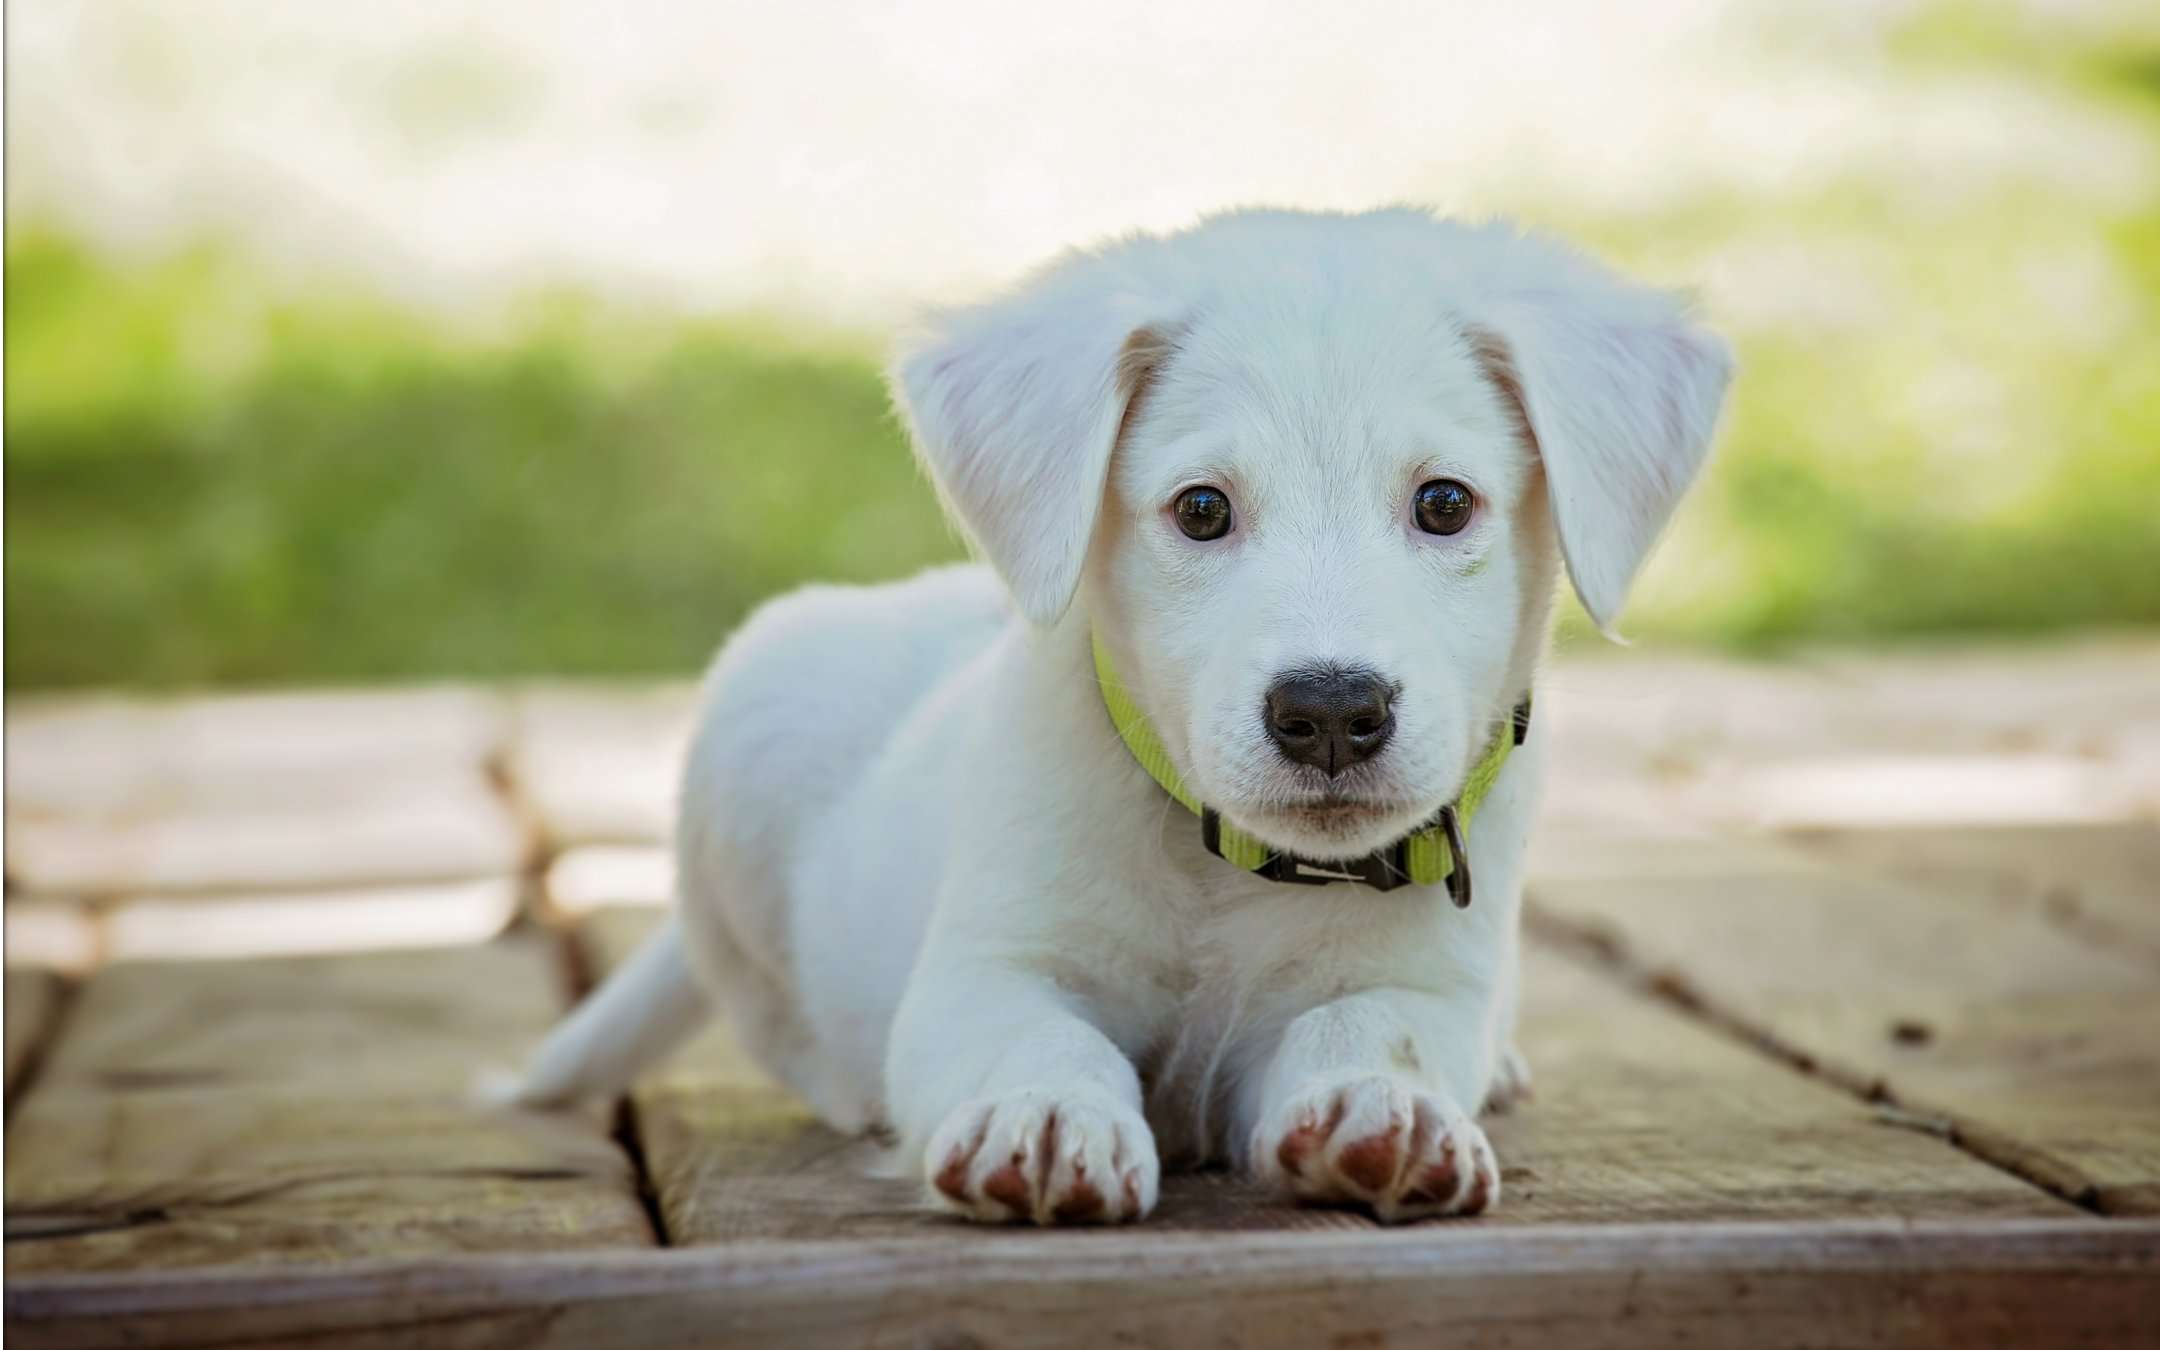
{"x":480,"y":339}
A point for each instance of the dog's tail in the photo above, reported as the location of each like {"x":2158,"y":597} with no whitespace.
{"x":645,"y":1009}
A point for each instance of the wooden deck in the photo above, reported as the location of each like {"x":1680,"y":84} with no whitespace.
{"x":1844,"y":1005}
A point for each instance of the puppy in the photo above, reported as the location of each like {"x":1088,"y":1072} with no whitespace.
{"x":1190,"y":828}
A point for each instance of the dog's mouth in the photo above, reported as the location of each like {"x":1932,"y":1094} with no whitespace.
{"x":1356,"y":795}
{"x":1345,"y":808}
{"x":1332,"y":823}
{"x":1336,"y":806}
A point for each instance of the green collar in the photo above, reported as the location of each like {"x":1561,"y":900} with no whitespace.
{"x":1432,"y":853}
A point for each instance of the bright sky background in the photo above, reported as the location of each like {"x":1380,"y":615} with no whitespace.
{"x":841,"y":158}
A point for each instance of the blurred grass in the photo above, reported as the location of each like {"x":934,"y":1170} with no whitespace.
{"x":1948,"y":421}
{"x":204,"y":485}
{"x":1974,"y":452}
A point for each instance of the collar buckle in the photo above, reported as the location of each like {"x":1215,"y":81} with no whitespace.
{"x":1458,"y":877}
{"x":1383,"y":871}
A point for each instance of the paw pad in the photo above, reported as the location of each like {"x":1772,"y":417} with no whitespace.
{"x":1033,"y":1159}
{"x":1384,"y":1146}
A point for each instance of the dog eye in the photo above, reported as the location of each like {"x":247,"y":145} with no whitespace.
{"x":1443,"y":506}
{"x":1202,"y":512}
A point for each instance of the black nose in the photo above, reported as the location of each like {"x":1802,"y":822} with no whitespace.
{"x":1330,"y":718}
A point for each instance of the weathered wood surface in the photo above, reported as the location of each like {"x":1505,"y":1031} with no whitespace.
{"x":340,"y":919}
{"x":1641,"y":1115}
{"x":2085,"y":1283}
{"x":1959,"y":1004}
{"x":108,"y":757}
{"x":75,"y":936}
{"x":53,"y":934}
{"x":599,"y":876}
{"x":302,"y":1112}
{"x":595,"y":765}
{"x":1644,"y":1114}
{"x":2092,"y":699}
{"x":33,"y":1002}
{"x":2099,"y":881}
{"x":440,"y":828}
{"x":115,"y":797}
{"x":2057,"y":734}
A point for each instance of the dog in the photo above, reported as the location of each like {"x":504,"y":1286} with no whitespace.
{"x":1189,"y":829}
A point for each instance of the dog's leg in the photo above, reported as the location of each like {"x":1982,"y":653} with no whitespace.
{"x":1369,"y":1101}
{"x":1510,"y":1070}
{"x":1030,"y":1112}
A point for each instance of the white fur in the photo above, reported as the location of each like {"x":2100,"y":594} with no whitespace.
{"x":934,"y":891}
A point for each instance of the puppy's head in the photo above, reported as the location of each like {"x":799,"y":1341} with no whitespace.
{"x":1316,"y":475}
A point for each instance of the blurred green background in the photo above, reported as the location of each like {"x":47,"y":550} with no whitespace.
{"x":1947,"y":421}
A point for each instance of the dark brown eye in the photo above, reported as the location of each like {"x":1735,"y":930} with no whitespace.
{"x":1202,"y":512}
{"x":1443,"y":506}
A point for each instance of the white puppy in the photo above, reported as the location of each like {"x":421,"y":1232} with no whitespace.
{"x":1283,"y":499}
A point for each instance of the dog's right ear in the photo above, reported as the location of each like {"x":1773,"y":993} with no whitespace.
{"x":1015,"y":406}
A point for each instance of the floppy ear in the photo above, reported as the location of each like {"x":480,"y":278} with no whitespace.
{"x":1619,"y":393}
{"x":1015,"y":407}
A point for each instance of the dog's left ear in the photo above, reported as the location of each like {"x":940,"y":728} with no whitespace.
{"x":1015,"y":407}
{"x":1619,"y":392}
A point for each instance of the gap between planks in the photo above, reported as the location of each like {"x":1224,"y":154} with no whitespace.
{"x":542,"y":849}
{"x":1950,"y":998}
{"x":45,"y":997}
{"x":1607,"y":955}
{"x":579,"y":980}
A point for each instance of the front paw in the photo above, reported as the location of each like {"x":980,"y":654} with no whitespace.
{"x":1379,"y":1143}
{"x":1044,"y":1158}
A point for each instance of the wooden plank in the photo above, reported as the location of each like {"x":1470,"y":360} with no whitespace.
{"x":75,"y":936}
{"x":32,"y":1004}
{"x":304,"y":1111}
{"x":1871,"y":789}
{"x":1961,"y":1006}
{"x":1955,"y":735}
{"x":106,"y":757}
{"x":2084,"y":696}
{"x":1640,"y":1115}
{"x":1589,"y":855}
{"x":2084,"y":1282}
{"x":448,"y":826}
{"x":2102,"y":881}
{"x":2079,"y":698}
{"x":109,"y":797}
{"x":56,"y":934}
{"x":1643,"y":1114}
{"x":591,"y":877}
{"x":212,"y":927}
{"x":600,"y":764}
